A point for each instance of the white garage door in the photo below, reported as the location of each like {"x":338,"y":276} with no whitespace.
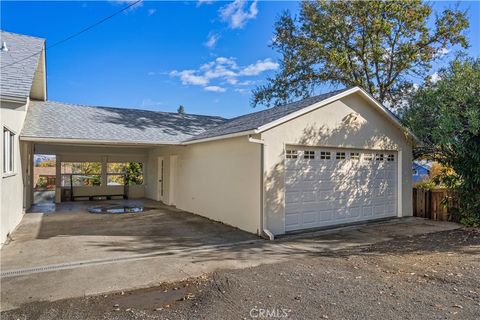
{"x":326,"y":186}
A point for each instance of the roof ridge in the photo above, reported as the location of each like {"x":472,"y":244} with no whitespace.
{"x":287,"y":104}
{"x":23,"y":35}
{"x":128,"y":108}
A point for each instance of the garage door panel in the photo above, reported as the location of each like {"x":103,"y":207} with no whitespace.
{"x":325,"y":205}
{"x":309,"y":218}
{"x":367,"y":211}
{"x":309,"y":197}
{"x":292,"y":221}
{"x":325,"y":215}
{"x":323,"y":192}
{"x":379,"y":210}
{"x":292,"y":197}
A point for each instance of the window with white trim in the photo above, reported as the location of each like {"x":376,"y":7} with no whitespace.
{"x":391,"y":157}
{"x":325,"y":155}
{"x":292,"y":154}
{"x":309,"y":154}
{"x":8,"y":151}
{"x":354,"y":155}
{"x":379,"y":157}
{"x":367,"y":157}
{"x":340,"y":156}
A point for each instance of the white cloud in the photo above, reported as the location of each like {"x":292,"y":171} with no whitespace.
{"x":259,"y":67}
{"x":238,"y":12}
{"x":241,"y":90}
{"x":223,"y":71}
{"x":189,"y":77}
{"x":435,"y":77}
{"x":215,"y":89}
{"x":212,"y":40}
{"x":200,"y":2}
{"x":151,"y":12}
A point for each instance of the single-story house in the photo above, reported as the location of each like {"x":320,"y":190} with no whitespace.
{"x":420,"y":170}
{"x":331,"y":159}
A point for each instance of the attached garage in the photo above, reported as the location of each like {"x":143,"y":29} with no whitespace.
{"x":340,"y":160}
{"x":328,"y":186}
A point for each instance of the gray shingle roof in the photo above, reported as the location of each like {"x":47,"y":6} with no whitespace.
{"x":16,"y":80}
{"x":67,"y":121}
{"x":255,"y":120}
{"x":57,"y":120}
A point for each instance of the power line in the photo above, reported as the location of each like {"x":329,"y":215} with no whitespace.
{"x":77,"y":33}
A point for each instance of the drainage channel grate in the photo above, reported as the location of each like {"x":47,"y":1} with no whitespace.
{"x":77,"y":264}
{"x":63,"y":266}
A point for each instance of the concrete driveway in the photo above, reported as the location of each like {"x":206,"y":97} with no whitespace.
{"x":66,"y":252}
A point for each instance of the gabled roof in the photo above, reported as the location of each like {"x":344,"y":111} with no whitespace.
{"x":16,"y":79}
{"x":55,"y":121}
{"x":258,"y":119}
{"x":261,"y":121}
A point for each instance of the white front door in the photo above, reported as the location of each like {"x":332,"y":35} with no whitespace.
{"x":160,"y":180}
{"x":329,"y":186}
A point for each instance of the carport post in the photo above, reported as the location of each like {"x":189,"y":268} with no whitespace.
{"x":58,"y":179}
{"x":104,"y":171}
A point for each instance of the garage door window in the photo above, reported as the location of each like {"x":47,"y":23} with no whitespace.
{"x":391,"y":157}
{"x":379,"y":157}
{"x":367,"y":157}
{"x":292,"y":154}
{"x":325,"y":155}
{"x":354,"y":156}
{"x":309,"y":154}
{"x":340,"y":156}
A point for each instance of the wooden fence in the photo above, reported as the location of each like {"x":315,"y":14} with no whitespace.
{"x":429,"y":204}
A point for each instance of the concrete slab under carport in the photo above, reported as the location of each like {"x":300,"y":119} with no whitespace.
{"x":65,"y":233}
{"x":129,"y":265}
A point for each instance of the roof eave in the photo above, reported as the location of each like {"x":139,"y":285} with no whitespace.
{"x":16,"y":99}
{"x":95,"y":142}
{"x":225,"y":136}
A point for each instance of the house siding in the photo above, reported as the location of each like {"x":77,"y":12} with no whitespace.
{"x":12,"y":190}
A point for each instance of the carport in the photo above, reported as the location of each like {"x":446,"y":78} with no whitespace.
{"x":94,"y":172}
{"x":97,"y":147}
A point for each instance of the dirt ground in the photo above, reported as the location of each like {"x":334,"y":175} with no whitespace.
{"x":434,"y":276}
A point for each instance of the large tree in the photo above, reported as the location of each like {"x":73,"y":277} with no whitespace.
{"x":445,"y":116}
{"x":378,"y":45}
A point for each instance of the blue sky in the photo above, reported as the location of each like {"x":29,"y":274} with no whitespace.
{"x":204,"y":55}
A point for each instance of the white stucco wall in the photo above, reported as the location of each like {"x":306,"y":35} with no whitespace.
{"x":332,"y":126}
{"x":220,"y":180}
{"x":12,"y":116}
